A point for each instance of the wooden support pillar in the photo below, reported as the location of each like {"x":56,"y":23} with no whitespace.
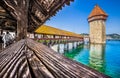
{"x":73,"y":45}
{"x":53,"y":39}
{"x":77,"y":43}
{"x":1,"y":31}
{"x":54,"y":36}
{"x":62,"y":37}
{"x":19,"y":10}
{"x":43,"y":36}
{"x":66,"y":47}
{"x":34,"y":35}
{"x":21,"y":30}
{"x":58,"y":48}
{"x":44,"y":41}
{"x":22,"y":19}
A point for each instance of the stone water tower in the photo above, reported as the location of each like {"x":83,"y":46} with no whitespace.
{"x":96,"y":21}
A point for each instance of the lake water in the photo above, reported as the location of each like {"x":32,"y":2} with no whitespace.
{"x":104,"y":58}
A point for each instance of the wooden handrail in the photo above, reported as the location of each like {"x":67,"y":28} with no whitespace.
{"x":30,"y":59}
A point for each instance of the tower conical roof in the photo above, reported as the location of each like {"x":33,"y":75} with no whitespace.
{"x":97,"y":11}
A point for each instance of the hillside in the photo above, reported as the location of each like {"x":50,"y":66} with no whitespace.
{"x":109,"y":36}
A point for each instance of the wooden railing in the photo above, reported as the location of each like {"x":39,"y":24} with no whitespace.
{"x":30,"y":59}
{"x":67,"y":39}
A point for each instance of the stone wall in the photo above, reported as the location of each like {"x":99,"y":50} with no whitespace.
{"x":97,"y":31}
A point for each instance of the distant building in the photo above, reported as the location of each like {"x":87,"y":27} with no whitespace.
{"x":86,"y":38}
{"x":96,"y":21}
{"x":109,"y":37}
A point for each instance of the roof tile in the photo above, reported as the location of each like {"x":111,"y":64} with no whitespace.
{"x":44,"y":29}
{"x":97,"y":11}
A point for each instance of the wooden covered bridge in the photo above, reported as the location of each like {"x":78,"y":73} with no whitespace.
{"x":50,"y":36}
{"x":27,"y":58}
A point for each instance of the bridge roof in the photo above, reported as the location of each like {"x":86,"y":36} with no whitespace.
{"x":44,"y":29}
{"x":39,"y":10}
{"x":97,"y":11}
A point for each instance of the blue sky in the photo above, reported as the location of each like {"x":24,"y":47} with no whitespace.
{"x":74,"y":17}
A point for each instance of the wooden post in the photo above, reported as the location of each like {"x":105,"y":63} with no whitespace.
{"x":19,"y":10}
{"x":22,"y":21}
{"x":58,"y":48}
{"x":21,"y":29}
{"x":73,"y":45}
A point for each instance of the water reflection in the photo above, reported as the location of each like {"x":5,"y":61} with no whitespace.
{"x":62,"y":48}
{"x":104,"y":58}
{"x":97,"y":57}
{"x":72,"y":53}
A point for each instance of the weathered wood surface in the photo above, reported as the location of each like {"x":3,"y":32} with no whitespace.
{"x":32,"y":13}
{"x":68,"y":39}
{"x":30,"y":59}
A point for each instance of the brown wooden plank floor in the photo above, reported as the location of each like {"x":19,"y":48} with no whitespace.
{"x":30,"y":59}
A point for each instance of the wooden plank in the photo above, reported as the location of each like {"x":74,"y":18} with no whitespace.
{"x":29,"y":59}
{"x":39,"y":70}
{"x":56,"y":62}
{"x":41,"y":10}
